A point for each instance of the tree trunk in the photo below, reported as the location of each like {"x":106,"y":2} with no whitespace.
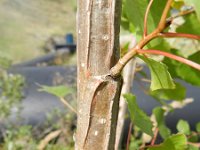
{"x":98,"y":93}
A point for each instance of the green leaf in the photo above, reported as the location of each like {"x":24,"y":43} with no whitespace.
{"x":59,"y":91}
{"x":198,"y":127}
{"x":137,"y":19}
{"x":177,"y":4}
{"x":178,"y":93}
{"x":160,"y":77}
{"x":183,"y":127}
{"x":175,"y":142}
{"x":191,"y":147}
{"x":135,"y":11}
{"x":159,"y":115}
{"x":185,"y":72}
{"x":5,"y":63}
{"x":193,"y":138}
{"x":139,"y":118}
{"x":191,"y":25}
{"x":124,"y":19}
{"x":189,"y":74}
{"x":135,"y":143}
{"x":196,"y":5}
{"x":158,"y":43}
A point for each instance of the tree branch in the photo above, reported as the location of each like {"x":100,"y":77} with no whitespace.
{"x":182,"y":13}
{"x":67,"y":104}
{"x":194,"y":144}
{"x":179,"y":35}
{"x":172,"y":56}
{"x":129,"y":136}
{"x":193,"y":134}
{"x":155,"y":136}
{"x":162,"y":23}
{"x":116,"y":70}
{"x":128,"y":77}
{"x":146,"y":18}
{"x":44,"y":142}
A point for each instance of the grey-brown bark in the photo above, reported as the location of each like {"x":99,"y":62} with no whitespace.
{"x":98,"y":94}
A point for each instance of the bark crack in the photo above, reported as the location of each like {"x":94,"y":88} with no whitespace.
{"x":92,"y":106}
{"x":89,"y":13}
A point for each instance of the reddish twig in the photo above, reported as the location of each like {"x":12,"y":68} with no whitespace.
{"x":146,"y":18}
{"x":194,"y":144}
{"x":116,"y":70}
{"x":182,"y":13}
{"x":172,"y":56}
{"x":155,"y":136}
{"x":129,"y":136}
{"x":193,"y":134}
{"x":177,"y":35}
{"x":163,"y":24}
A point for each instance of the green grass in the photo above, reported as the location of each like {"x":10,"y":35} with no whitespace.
{"x":25,"y":25}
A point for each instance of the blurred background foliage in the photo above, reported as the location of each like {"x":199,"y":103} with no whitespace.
{"x":25,"y":25}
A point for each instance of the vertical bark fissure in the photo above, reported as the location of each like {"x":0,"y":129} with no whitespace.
{"x":89,"y":10}
{"x":98,"y":94}
{"x":111,"y":45}
{"x":92,"y":107}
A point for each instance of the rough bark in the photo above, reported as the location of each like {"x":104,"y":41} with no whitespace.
{"x":98,"y":24}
